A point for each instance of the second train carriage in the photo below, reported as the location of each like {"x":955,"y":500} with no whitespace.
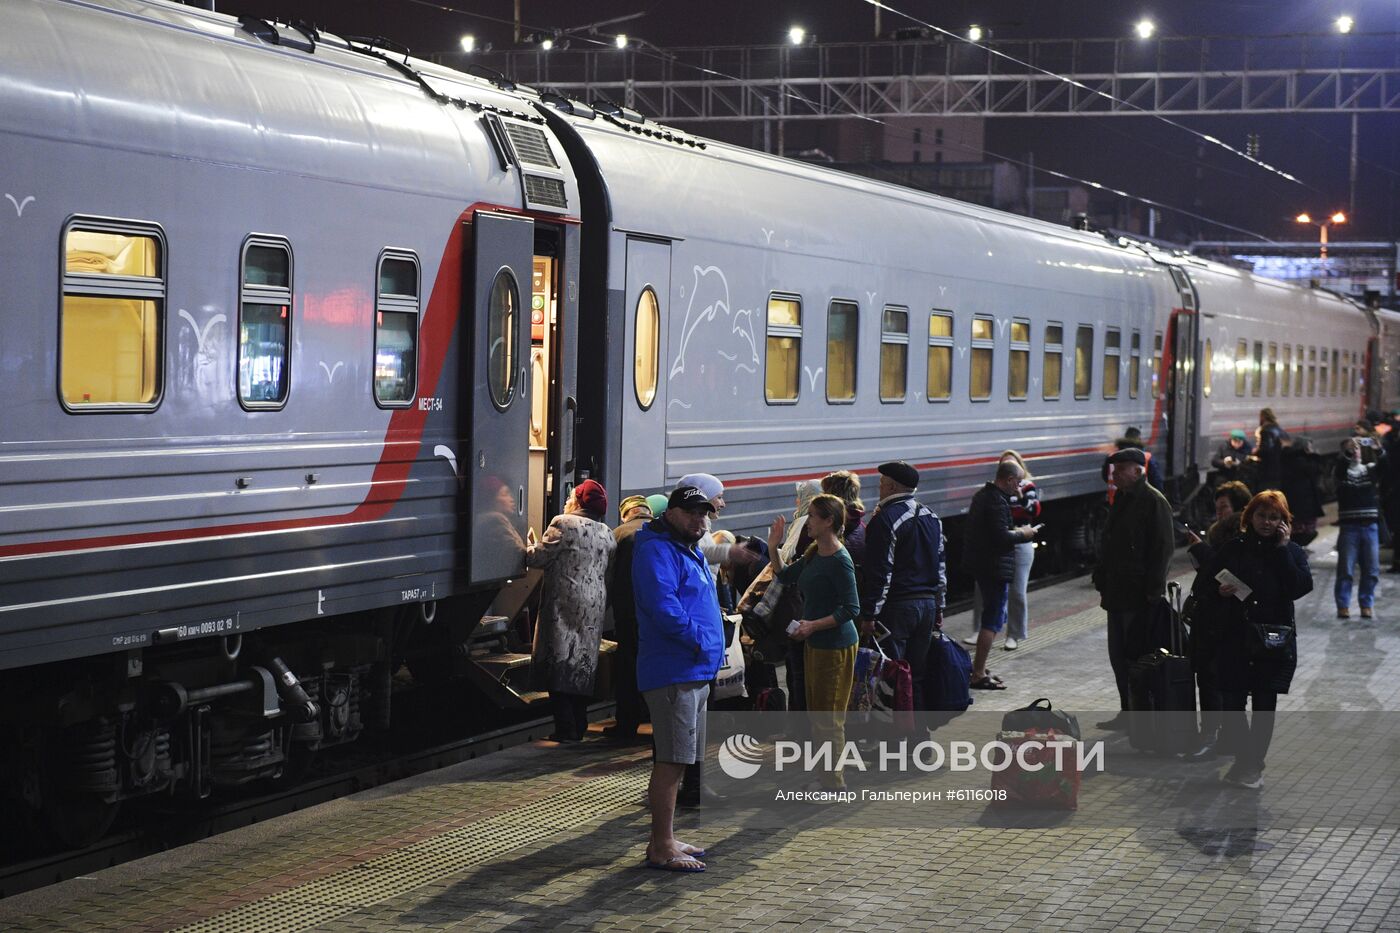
{"x":279,"y":413}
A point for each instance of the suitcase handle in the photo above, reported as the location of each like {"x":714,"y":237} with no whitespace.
{"x":1178,"y":646}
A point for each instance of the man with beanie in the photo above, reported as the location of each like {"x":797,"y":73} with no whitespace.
{"x":1230,"y":456}
{"x":680,"y":647}
{"x":634,"y":513}
{"x":1137,"y":547}
{"x":905,"y":572}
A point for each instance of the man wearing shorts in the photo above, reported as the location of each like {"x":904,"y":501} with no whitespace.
{"x":989,"y":556}
{"x":680,"y":647}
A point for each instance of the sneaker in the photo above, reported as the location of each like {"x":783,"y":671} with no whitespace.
{"x":1366,"y":612}
{"x":970,"y":640}
{"x":1118,"y":723}
{"x":1011,"y":644}
{"x":1344,"y":613}
{"x":1251,"y":778}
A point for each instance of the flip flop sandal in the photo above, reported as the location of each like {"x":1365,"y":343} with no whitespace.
{"x":987,"y":682}
{"x":673,"y":865}
{"x":690,"y":851}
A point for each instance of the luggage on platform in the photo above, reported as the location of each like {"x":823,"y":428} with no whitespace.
{"x":1162,"y":694}
{"x":948,"y":675}
{"x":1040,"y":715}
{"x":1042,"y":776}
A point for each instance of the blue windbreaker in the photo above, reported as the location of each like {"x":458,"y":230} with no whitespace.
{"x":680,"y":637}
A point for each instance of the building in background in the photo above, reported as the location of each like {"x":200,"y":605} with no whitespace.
{"x":1361,"y":269}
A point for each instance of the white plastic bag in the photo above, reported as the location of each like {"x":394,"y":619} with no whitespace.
{"x":729,"y":682}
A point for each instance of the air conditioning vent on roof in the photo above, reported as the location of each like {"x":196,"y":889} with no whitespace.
{"x":531,"y":145}
{"x":548,"y":191}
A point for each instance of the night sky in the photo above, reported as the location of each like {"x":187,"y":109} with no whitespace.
{"x":1137,"y":154}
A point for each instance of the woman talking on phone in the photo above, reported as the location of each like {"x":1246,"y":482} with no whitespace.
{"x":827,"y":578}
{"x":1261,"y":573}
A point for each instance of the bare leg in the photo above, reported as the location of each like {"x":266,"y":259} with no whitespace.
{"x":661,"y":792}
{"x":984,"y":646}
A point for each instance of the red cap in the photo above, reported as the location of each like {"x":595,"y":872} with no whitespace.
{"x":591,"y":495}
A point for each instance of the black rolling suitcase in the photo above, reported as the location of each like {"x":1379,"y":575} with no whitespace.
{"x":1162,"y":693}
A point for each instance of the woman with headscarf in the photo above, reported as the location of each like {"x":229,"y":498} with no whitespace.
{"x":575,"y":555}
{"x":796,"y":540}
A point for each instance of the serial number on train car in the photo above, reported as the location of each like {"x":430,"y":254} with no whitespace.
{"x":210,"y":627}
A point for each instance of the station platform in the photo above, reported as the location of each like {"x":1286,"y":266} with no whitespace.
{"x":545,"y":837}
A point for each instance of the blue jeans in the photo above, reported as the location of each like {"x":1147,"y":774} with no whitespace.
{"x":1358,"y":544}
{"x":911,"y":631}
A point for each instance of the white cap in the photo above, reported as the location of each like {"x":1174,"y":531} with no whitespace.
{"x":709,"y":486}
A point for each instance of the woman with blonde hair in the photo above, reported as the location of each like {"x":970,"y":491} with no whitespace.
{"x":1025,"y":509}
{"x":845,"y":485}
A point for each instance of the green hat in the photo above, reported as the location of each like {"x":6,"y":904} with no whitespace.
{"x":1238,"y":434}
{"x":657,"y":502}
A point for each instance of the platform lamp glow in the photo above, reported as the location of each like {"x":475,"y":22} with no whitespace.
{"x":620,"y":40}
{"x":469,"y":43}
{"x":1345,"y":24}
{"x":974,"y":33}
{"x":1145,"y":28}
{"x":1334,"y":220}
{"x":797,"y":35}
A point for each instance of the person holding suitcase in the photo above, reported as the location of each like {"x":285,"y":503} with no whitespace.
{"x":1257,"y":650}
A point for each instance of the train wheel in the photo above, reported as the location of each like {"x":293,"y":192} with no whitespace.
{"x":75,"y":820}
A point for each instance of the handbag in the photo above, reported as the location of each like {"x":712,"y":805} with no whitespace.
{"x":948,"y":675}
{"x":1269,"y":640}
{"x":729,"y":682}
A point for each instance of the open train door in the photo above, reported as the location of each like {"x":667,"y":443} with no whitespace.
{"x":501,"y":255}
{"x":1182,"y":389}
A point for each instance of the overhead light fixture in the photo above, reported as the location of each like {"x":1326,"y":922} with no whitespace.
{"x":797,"y":35}
{"x":1345,"y":24}
{"x":620,"y":40}
{"x":547,"y":44}
{"x":974,"y":33}
{"x":1145,"y":28}
{"x":1338,"y":218}
{"x":1303,"y":218}
{"x":469,"y":43}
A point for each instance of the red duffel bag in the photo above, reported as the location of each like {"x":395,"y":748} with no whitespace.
{"x":1032,"y":779}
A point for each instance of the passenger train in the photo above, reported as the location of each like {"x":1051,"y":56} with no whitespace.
{"x":302,"y":334}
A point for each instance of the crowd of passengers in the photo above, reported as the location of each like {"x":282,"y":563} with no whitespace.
{"x":671,"y":580}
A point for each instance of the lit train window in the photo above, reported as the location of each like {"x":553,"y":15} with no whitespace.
{"x":940,"y":356}
{"x":265,"y":323}
{"x":1018,"y":368}
{"x":1052,"y":361}
{"x":1257,"y":367}
{"x":894,"y":354}
{"x":1241,"y":367}
{"x":1271,"y":374}
{"x":1083,"y":361}
{"x":1135,"y":365}
{"x":1312,"y":370}
{"x":980,"y":372}
{"x":1207,"y":369}
{"x":647,"y":353}
{"x":396,"y":329}
{"x":110,"y":323}
{"x":784,"y":350}
{"x":1112,"y":357}
{"x":842,"y":325}
{"x":1336,"y":372}
{"x":1287,"y":370}
{"x":1156,"y":364}
{"x":1321,"y":371}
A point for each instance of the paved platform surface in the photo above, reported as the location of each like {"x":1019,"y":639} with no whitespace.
{"x":543,"y":837}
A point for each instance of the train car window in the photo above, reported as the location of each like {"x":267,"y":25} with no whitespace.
{"x":1321,"y":371}
{"x":1018,"y":368}
{"x":1257,"y":368}
{"x":1336,"y":373}
{"x":1207,"y":369}
{"x":1052,"y":361}
{"x":1156,"y":364}
{"x":1298,"y":373}
{"x":1271,"y":374}
{"x":647,"y":352}
{"x":784,"y":348}
{"x":1135,"y":364}
{"x":980,"y":372}
{"x":110,"y":323}
{"x":1286,"y":369}
{"x":1112,"y":358}
{"x":1083,"y":361}
{"x":396,"y":331}
{"x":940,"y":356}
{"x":894,"y":354}
{"x":1241,"y":367}
{"x":842,"y":319}
{"x":1312,"y":370}
{"x":265,"y":324}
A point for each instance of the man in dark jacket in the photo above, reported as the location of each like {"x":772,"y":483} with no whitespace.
{"x":680,"y":647}
{"x":1230,"y":456}
{"x":989,"y":555}
{"x":1359,"y":515}
{"x":634,"y":513}
{"x":1138,"y":541}
{"x":904,"y":571}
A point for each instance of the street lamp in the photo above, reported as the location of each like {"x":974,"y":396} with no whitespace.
{"x":1334,"y":220}
{"x":974,"y":33}
{"x":1145,"y":28}
{"x":620,"y":40}
{"x":1345,"y":24}
{"x":469,"y":43}
{"x":797,"y":35}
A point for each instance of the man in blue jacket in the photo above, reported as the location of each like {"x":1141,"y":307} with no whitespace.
{"x":905,"y":573}
{"x":680,"y":647}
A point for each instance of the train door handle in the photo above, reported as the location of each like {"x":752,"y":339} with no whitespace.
{"x":571,"y":406}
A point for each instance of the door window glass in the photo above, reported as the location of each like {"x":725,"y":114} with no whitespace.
{"x":648,"y":349}
{"x":502,"y":351}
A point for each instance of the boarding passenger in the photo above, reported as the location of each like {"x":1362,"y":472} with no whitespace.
{"x":1358,"y":540}
{"x":1131,"y":574}
{"x":1025,"y":510}
{"x":1268,"y":452}
{"x":905,"y":572}
{"x":989,"y":555}
{"x":795,"y":544}
{"x":634,"y":513}
{"x":845,"y":485}
{"x":827,"y":578}
{"x":1302,"y":487}
{"x":1230,"y":457}
{"x":1132,"y":440}
{"x":574,"y":555}
{"x":680,"y":647}
{"x":1258,"y":649}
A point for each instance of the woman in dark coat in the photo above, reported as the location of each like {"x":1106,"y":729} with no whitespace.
{"x":1268,"y":452}
{"x":1302,"y":485}
{"x":1257,"y":650}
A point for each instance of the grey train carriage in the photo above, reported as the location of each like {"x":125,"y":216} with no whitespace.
{"x":303,"y":334}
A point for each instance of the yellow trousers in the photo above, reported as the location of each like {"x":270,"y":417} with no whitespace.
{"x":830,"y":674}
